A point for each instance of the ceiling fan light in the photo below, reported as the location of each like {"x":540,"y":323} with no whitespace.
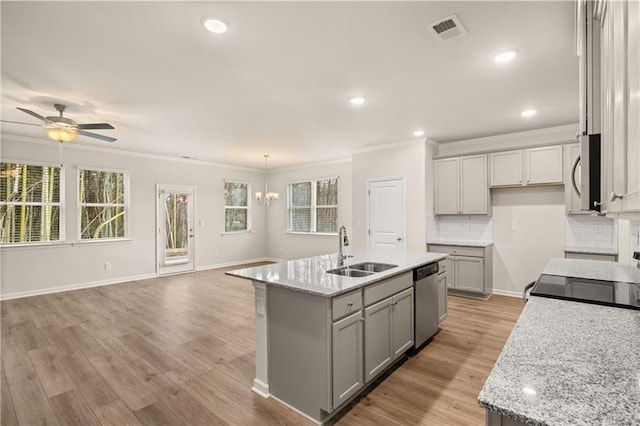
{"x":60,"y":135}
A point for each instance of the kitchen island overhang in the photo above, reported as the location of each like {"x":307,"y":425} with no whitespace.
{"x":300,"y":309}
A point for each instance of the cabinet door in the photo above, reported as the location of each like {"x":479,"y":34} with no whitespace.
{"x":377,"y":338}
{"x":474,"y":191}
{"x":347,"y":358}
{"x":447,"y":186}
{"x":446,"y":266}
{"x":402,"y":322}
{"x":442,"y":296}
{"x":468,"y":272}
{"x":543,"y":165}
{"x":506,"y":168}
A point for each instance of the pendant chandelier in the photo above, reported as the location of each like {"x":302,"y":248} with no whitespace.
{"x":268,"y":197}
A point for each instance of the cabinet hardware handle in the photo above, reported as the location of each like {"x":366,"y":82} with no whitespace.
{"x":361,"y":319}
{"x":350,"y":304}
{"x":597,"y":203}
{"x":615,"y":196}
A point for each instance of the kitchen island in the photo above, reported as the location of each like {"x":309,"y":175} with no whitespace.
{"x":321,"y":338}
{"x":567,"y":362}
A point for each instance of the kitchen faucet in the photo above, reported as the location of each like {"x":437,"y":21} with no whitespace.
{"x":343,"y":241}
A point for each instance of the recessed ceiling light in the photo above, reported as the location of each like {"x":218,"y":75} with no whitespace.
{"x":357,"y":100}
{"x":528,"y":113}
{"x":215,"y":25}
{"x":418,"y":133}
{"x":505,"y":56}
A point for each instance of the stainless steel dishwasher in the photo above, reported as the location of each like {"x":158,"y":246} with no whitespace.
{"x":426,"y":303}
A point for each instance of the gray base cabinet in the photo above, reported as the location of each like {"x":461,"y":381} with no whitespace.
{"x":347,"y":358}
{"x":468,"y":270}
{"x":323,"y":351}
{"x":443,"y":277}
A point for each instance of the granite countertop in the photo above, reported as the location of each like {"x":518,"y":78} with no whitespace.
{"x":593,"y":269}
{"x":464,"y":243}
{"x":569,"y":363}
{"x":309,"y":275}
{"x":591,"y":250}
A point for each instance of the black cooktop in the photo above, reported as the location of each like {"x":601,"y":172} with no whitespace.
{"x":609,"y":293}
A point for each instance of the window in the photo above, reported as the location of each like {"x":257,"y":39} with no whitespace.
{"x":30,"y":203}
{"x":313,"y":206}
{"x":236,"y":207}
{"x":103,"y":199}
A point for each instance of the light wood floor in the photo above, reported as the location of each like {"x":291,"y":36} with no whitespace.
{"x":179,"y":350}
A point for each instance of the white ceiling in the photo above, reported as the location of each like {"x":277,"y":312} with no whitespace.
{"x":279,"y":81}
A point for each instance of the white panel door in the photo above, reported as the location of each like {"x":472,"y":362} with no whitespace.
{"x":175,"y":229}
{"x":386,"y":215}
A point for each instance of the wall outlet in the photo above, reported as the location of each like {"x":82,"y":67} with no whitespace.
{"x":107,"y":266}
{"x":514,"y":226}
{"x":260,"y":306}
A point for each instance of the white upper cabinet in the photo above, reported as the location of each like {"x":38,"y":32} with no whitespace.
{"x":447,"y":186}
{"x":534,"y":166}
{"x":461,"y":185}
{"x":506,"y":168}
{"x":620,"y":62}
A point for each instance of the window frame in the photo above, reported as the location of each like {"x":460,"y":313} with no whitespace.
{"x":248,"y":207}
{"x":314,"y":206}
{"x":61,"y":205}
{"x":126,"y":205}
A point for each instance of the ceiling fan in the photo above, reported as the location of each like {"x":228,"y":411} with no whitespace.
{"x":63,"y":129}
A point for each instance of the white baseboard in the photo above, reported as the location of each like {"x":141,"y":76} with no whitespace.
{"x":21,"y":294}
{"x":507,"y":293}
{"x":260,"y":388}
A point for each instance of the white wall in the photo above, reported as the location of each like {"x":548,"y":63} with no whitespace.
{"x":403,"y":159}
{"x":283,"y":245}
{"x":520,"y":256}
{"x":31,"y":270}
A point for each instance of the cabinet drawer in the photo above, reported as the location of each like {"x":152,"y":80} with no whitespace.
{"x":457,"y":250}
{"x":378,"y":291}
{"x":346,"y":304}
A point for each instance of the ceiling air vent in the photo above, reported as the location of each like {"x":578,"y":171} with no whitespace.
{"x":448,"y":28}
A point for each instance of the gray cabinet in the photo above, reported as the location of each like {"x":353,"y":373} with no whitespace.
{"x":388,"y":330}
{"x":571,"y":197}
{"x":461,"y":185}
{"x":347,"y":357}
{"x":468,"y":269}
{"x":443,"y":278}
{"x":533,"y":166}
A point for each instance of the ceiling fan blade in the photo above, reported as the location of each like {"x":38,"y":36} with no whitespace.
{"x":97,"y":136}
{"x":96,"y":126}
{"x":35,"y":114}
{"x":20,"y":122}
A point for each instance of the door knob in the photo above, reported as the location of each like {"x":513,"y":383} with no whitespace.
{"x":399,"y":239}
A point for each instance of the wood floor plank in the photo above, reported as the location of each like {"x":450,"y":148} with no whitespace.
{"x":8,"y":413}
{"x":71,"y":409}
{"x":130,"y":390}
{"x":90,"y":384}
{"x":182,"y":347}
{"x":116,"y":414}
{"x":52,"y":375}
{"x":31,"y":404}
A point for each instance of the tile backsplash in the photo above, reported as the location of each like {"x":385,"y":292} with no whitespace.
{"x":459,"y":227}
{"x":591,"y":232}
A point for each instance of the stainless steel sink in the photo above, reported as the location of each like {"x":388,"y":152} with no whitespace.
{"x":363,"y":269}
{"x":372,"y":266}
{"x":348,"y":272}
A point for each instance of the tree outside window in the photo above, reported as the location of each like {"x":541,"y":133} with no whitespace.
{"x":237,"y":216}
{"x":313,"y":206}
{"x":103,"y":204}
{"x":30,"y":203}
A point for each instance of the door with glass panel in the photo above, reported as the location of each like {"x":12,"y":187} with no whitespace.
{"x":175,"y":229}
